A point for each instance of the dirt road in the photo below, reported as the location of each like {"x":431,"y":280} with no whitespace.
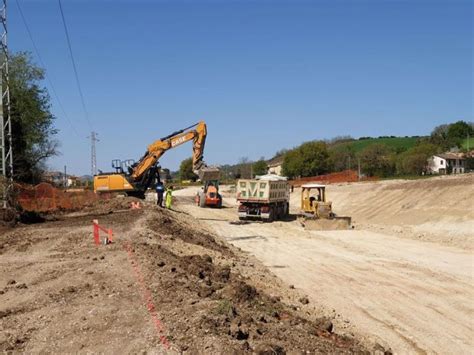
{"x":383,"y":277}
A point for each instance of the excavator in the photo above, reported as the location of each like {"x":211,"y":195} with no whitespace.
{"x":134,"y":178}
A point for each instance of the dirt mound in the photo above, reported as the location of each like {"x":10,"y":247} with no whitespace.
{"x":218,"y":308}
{"x":113,"y":204}
{"x":61,"y":293}
{"x":168,"y":224}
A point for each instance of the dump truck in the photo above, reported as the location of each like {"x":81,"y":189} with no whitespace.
{"x":266,"y":197}
{"x":316,"y":210}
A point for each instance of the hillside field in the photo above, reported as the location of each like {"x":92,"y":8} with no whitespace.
{"x":397,"y":143}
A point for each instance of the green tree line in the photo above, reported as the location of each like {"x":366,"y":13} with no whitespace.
{"x":404,"y":156}
{"x":377,"y":159}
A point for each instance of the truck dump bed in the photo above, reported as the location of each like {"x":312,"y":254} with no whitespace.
{"x":263,"y":190}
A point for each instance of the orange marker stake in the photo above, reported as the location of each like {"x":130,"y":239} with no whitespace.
{"x":95,"y":224}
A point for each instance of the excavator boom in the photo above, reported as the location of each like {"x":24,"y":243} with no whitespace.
{"x":197,"y":133}
{"x":145,"y":170}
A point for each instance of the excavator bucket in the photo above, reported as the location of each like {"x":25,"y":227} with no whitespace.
{"x":209,"y":173}
{"x":322,"y":224}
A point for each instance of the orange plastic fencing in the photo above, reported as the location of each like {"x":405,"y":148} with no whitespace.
{"x":46,"y":198}
{"x":334,"y":178}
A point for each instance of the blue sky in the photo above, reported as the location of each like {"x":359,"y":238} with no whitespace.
{"x":264,"y":75}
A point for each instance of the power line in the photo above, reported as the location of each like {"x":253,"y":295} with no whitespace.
{"x":35,"y":48}
{"x":74,"y":65}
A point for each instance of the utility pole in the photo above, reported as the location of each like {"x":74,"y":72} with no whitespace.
{"x":358,"y":168}
{"x":93,"y":153}
{"x":6,"y":154}
{"x":65,"y":178}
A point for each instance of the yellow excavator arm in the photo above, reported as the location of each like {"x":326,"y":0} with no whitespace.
{"x":197,"y":133}
{"x":142,"y":174}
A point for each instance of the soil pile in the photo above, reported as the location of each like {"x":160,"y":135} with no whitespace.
{"x":218,"y":309}
{"x":61,"y":293}
{"x":112,"y":204}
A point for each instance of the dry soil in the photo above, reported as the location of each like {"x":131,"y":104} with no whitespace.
{"x":403,"y":277}
{"x":165,"y":284}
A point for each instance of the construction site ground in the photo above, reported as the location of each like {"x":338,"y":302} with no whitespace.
{"x":403,"y":277}
{"x":165,"y":285}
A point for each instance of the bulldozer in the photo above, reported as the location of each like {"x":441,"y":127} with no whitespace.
{"x":316,"y":211}
{"x":134,"y":178}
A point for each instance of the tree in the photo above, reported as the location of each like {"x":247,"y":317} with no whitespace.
{"x":414,"y":160}
{"x":459,"y":131}
{"x":452,"y":135}
{"x":244,"y":169}
{"x":292,"y":163}
{"x":280,"y":153}
{"x":260,"y":167}
{"x":186,"y":170}
{"x":309,"y":159}
{"x":439,"y":136}
{"x":377,"y":160}
{"x":340,"y":140}
{"x":32,"y":120}
{"x":342,"y":158}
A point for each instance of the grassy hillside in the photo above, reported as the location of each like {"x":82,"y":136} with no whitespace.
{"x":471,"y":143}
{"x":397,"y":143}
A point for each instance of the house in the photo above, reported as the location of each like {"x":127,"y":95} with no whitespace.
{"x":274,"y":165}
{"x":57,"y":178}
{"x":72,"y":181}
{"x":446,"y":163}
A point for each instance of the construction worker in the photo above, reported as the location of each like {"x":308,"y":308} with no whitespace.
{"x":169,"y":197}
{"x":160,"y":190}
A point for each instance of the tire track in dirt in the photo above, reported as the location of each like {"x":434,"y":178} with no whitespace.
{"x":420,"y":292}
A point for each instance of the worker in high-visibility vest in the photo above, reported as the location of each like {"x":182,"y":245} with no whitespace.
{"x":169,"y":197}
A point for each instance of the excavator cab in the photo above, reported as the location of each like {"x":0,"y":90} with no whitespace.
{"x":117,"y":165}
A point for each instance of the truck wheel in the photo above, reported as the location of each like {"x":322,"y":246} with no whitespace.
{"x":277,"y":213}
{"x":271,"y":215}
{"x":287,"y":209}
{"x":202,"y":199}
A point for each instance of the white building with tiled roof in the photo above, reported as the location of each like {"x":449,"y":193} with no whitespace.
{"x":445,"y":162}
